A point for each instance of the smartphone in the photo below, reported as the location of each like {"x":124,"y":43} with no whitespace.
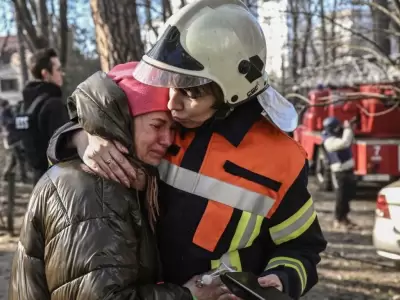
{"x":245,"y":285}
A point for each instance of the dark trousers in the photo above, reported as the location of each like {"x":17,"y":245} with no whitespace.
{"x":345,"y":189}
{"x":15,"y":156}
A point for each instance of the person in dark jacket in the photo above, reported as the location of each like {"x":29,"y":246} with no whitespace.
{"x":51,"y":113}
{"x":12,"y":143}
{"x":85,"y":237}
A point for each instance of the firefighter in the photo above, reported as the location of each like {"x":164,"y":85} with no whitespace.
{"x":234,"y":185}
{"x":337,"y":142}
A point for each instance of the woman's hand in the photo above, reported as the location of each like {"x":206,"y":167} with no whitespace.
{"x":105,"y":158}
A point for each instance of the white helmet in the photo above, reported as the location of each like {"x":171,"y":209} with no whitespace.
{"x":205,"y":41}
{"x":209,"y":40}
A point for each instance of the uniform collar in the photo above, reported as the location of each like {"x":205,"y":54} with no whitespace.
{"x":234,"y":127}
{"x":238,"y":123}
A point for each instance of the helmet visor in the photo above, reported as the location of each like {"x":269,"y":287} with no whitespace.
{"x":150,"y":75}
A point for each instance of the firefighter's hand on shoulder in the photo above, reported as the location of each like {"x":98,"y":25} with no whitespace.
{"x":346,"y":124}
{"x":106,"y":159}
{"x":214,"y":291}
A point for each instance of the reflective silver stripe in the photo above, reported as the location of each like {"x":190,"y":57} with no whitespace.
{"x":291,"y":263}
{"x":226,"y":260}
{"x":214,"y":189}
{"x":294,"y":226}
{"x":248,"y":231}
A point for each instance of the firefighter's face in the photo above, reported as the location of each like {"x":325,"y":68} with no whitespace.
{"x":191,"y":111}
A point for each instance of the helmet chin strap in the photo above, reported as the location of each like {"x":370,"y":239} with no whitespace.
{"x":225,"y":109}
{"x":223,"y":112}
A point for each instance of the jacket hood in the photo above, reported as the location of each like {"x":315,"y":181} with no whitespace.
{"x":102,"y":109}
{"x":35,"y":88}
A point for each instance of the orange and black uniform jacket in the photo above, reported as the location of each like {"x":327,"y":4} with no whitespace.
{"x":234,"y":191}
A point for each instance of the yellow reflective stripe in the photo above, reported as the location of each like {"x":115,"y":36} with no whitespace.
{"x":241,"y":228}
{"x":256,"y":231}
{"x":214,"y":189}
{"x":234,"y":259}
{"x":231,"y":259}
{"x":246,"y":232}
{"x":294,"y":226}
{"x":49,"y":162}
{"x":215,"y":264}
{"x":290,"y":263}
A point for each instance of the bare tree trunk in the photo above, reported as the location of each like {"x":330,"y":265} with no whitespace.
{"x":314,"y":50}
{"x":307,"y":38}
{"x":333,"y":32}
{"x":396,"y":29}
{"x":149,"y":18}
{"x":37,"y":25}
{"x":53,"y":38}
{"x":34,"y":38}
{"x":166,"y":9}
{"x":33,"y":9}
{"x":293,"y":6}
{"x":43,"y":21}
{"x":381,"y":23}
{"x":323,"y":32}
{"x":117,"y":27}
{"x":21,"y":51}
{"x":283,"y":79}
{"x":63,"y":32}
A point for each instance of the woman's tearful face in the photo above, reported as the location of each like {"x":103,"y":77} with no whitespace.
{"x":154,"y":133}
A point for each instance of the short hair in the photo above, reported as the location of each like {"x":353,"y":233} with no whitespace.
{"x":40,"y":60}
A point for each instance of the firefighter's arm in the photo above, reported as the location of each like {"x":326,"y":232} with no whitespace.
{"x":332,"y":144}
{"x":296,"y":236}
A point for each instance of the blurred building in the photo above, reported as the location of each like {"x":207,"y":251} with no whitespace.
{"x":10,"y":86}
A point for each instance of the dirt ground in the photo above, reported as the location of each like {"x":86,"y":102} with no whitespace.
{"x":350,"y":269}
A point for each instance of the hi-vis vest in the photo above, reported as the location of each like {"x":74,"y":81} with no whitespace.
{"x":340,"y":157}
{"x":251,"y":177}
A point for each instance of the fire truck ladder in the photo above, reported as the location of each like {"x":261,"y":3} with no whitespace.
{"x":349,"y":72}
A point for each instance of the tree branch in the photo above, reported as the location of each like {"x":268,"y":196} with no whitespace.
{"x":27,"y":24}
{"x":383,"y":54}
{"x":382,"y":9}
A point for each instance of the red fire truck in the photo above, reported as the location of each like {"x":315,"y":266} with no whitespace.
{"x":376,"y":147}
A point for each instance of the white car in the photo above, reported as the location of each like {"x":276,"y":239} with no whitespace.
{"x":386,"y":233}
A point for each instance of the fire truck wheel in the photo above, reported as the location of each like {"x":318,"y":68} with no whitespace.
{"x":322,"y":171}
